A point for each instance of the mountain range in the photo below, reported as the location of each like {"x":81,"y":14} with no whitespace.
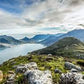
{"x":9,"y":40}
{"x":39,"y":38}
{"x":45,"y":39}
{"x":78,"y":33}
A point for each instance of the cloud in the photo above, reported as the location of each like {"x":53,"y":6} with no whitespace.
{"x":41,"y":15}
{"x":56,"y":12}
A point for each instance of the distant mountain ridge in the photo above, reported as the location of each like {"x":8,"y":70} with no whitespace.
{"x":77,"y":33}
{"x":51,"y":39}
{"x":45,"y":39}
{"x":9,"y":40}
{"x":39,"y":38}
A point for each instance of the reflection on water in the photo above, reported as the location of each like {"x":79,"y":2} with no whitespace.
{"x":18,"y":50}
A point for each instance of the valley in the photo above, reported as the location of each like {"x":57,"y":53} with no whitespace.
{"x":29,"y":61}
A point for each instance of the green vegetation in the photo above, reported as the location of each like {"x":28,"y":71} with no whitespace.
{"x":69,"y":47}
{"x":43,"y":63}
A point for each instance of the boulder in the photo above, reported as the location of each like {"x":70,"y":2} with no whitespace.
{"x":38,"y":77}
{"x":1,"y":75}
{"x":58,"y":71}
{"x":70,"y":66}
{"x":49,"y":55}
{"x":71,"y":78}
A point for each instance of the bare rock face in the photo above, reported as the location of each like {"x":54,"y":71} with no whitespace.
{"x":70,"y":66}
{"x":38,"y":77}
{"x":1,"y":76}
{"x":72,"y":78}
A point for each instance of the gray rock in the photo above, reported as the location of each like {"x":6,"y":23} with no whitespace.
{"x":74,"y":70}
{"x":70,"y":66}
{"x":49,"y":55}
{"x":72,"y":78}
{"x":24,"y":67}
{"x":58,"y":71}
{"x":38,"y":77}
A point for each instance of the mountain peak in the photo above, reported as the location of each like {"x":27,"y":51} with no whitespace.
{"x":25,"y":38}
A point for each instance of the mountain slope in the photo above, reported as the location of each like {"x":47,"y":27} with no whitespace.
{"x":64,"y":47}
{"x":51,"y":39}
{"x":78,"y":33}
{"x":9,"y":40}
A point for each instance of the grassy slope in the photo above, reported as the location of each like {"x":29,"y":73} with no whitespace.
{"x":43,"y":64}
{"x":65,"y":47}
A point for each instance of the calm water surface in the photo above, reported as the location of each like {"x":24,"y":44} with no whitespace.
{"x":18,"y":50}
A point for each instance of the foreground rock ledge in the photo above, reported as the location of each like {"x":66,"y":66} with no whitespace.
{"x":38,"y":77}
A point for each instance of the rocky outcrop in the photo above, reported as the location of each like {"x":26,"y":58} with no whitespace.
{"x":24,"y":67}
{"x":38,"y":77}
{"x":70,"y":66}
{"x":34,"y":76}
{"x":1,"y":75}
{"x":72,"y":78}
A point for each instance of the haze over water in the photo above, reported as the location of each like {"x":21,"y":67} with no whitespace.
{"x":18,"y":50}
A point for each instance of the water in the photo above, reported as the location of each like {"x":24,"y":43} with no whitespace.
{"x":18,"y":50}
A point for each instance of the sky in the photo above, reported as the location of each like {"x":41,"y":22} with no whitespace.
{"x":29,"y":17}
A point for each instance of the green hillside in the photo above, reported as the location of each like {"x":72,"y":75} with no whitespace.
{"x":68,"y":46}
